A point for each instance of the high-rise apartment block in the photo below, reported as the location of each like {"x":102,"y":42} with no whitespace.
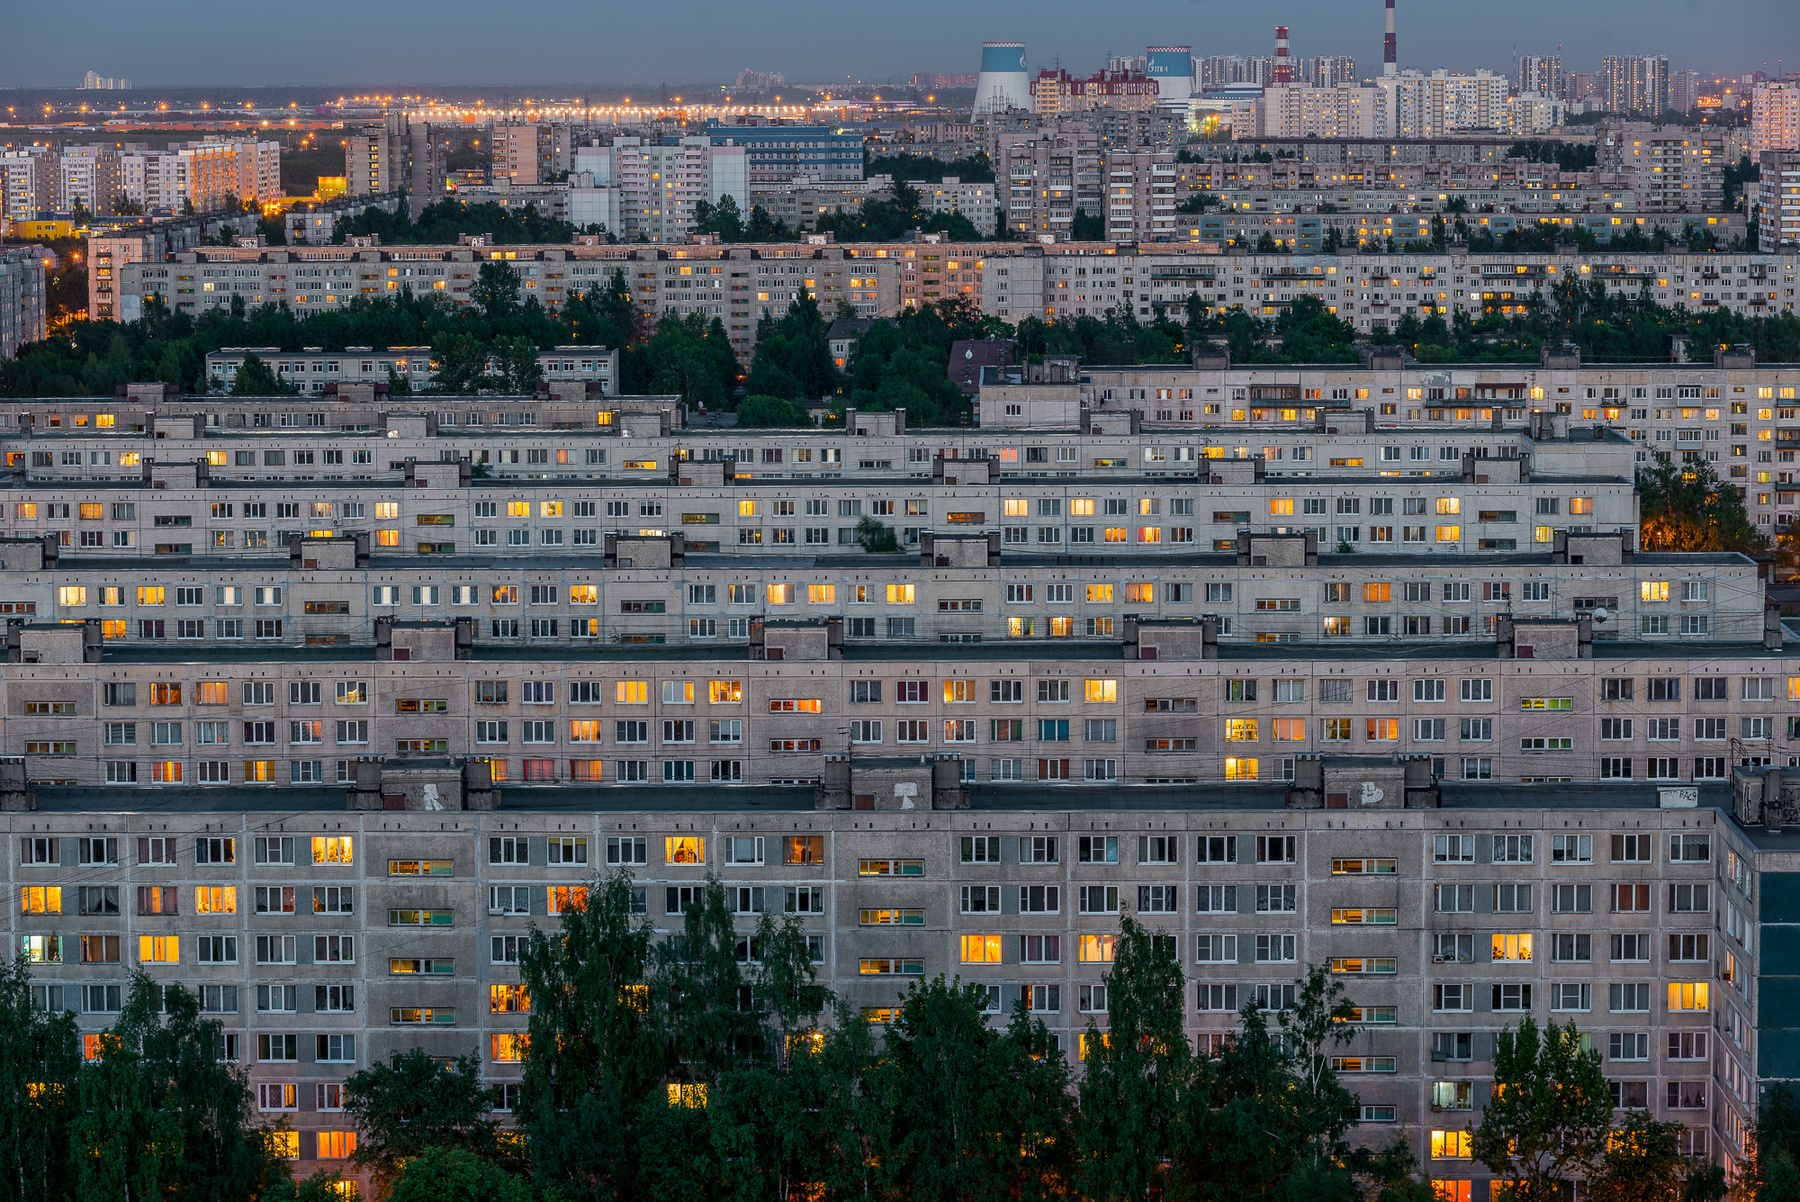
{"x":1636,"y":84}
{"x":398,"y":156}
{"x":1684,"y":89}
{"x":1542,"y":74}
{"x":1326,"y":70}
{"x":22,"y":309}
{"x":31,"y":181}
{"x":1775,"y":118}
{"x":1778,"y":201}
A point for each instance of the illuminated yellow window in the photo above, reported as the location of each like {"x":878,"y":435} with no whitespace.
{"x":1794,"y":688}
{"x":631,"y":692}
{"x":507,"y":1048}
{"x":1092,"y":1042}
{"x":1449,"y":534}
{"x":1239,"y":768}
{"x":1140,"y":594}
{"x":337,"y":1145}
{"x":91,"y":511}
{"x":40,"y":899}
{"x":1290,"y":730}
{"x":550,"y":509}
{"x":1449,"y":505}
{"x":900,"y":594}
{"x":1081,"y":507}
{"x":1512,"y":947}
{"x":1102,"y":691}
{"x":215,"y":458}
{"x":518,"y":509}
{"x":725,"y":692}
{"x":1689,"y":995}
{"x":215,"y":692}
{"x":981,"y":949}
{"x":746,"y":509}
{"x":1099,"y":594}
{"x":1377,"y":592}
{"x":259,"y":772}
{"x":685,"y":849}
{"x":1584,"y":505}
{"x":1096,"y":949}
{"x":691,"y":1096}
{"x":70,"y":595}
{"x":959,"y":690}
{"x":387,"y":538}
{"x":1543,"y":534}
{"x":823,"y":594}
{"x":1451,"y":1145}
{"x":1281,"y":508}
{"x":332,"y":849}
{"x":387,"y":509}
{"x":1240,"y":730}
{"x":150,"y":594}
{"x":1384,"y":730}
{"x":215,"y":899}
{"x":566,"y":897}
{"x":780,"y":594}
{"x":1116,"y":534}
{"x":1149,"y":534}
{"x":158,"y":949}
{"x":1653,"y":590}
{"x":1016,"y":507}
{"x":584,"y":731}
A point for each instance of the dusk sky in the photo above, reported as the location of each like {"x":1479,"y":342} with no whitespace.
{"x":561,"y":42}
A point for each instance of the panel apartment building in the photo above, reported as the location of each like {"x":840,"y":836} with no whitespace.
{"x":1449,"y":909}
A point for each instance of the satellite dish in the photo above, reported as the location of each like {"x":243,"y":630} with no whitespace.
{"x":1600,"y":614}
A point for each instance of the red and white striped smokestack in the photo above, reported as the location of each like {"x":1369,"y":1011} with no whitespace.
{"x":1390,"y":62}
{"x":1284,"y":66}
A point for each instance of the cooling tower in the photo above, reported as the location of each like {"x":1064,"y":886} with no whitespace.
{"x":1172,"y":67}
{"x":1003,"y":84}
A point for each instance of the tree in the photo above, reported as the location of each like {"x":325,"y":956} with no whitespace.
{"x":1548,"y":1120}
{"x":462,"y":363}
{"x":452,"y":1174}
{"x":723,"y":219}
{"x":161,"y":1114}
{"x":591,"y":1063}
{"x":1642,"y":1162}
{"x":416,"y":1104}
{"x":876,"y":537}
{"x":762,"y":410}
{"x":495,"y":290}
{"x":1137,"y":1072}
{"x":1773,"y":1174}
{"x":40,"y":1061}
{"x":517,"y":359}
{"x":1686,"y":507}
{"x":254,"y":378}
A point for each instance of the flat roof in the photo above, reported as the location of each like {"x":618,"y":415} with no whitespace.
{"x":901,"y":561}
{"x":875,"y":651}
{"x":1263,"y":796}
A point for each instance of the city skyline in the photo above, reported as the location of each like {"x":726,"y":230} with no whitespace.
{"x":817,"y":44}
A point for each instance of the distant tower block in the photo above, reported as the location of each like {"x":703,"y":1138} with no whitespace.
{"x":1284,"y":66}
{"x":1390,"y":59}
{"x":1003,"y":84}
{"x":1172,"y":67}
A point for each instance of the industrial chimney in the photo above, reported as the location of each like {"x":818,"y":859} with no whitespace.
{"x":1284,"y":66}
{"x":1390,"y":62}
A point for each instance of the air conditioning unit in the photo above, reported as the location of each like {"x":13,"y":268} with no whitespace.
{"x":1437,"y":959}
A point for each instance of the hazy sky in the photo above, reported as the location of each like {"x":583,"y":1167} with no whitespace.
{"x":357,"y":43}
